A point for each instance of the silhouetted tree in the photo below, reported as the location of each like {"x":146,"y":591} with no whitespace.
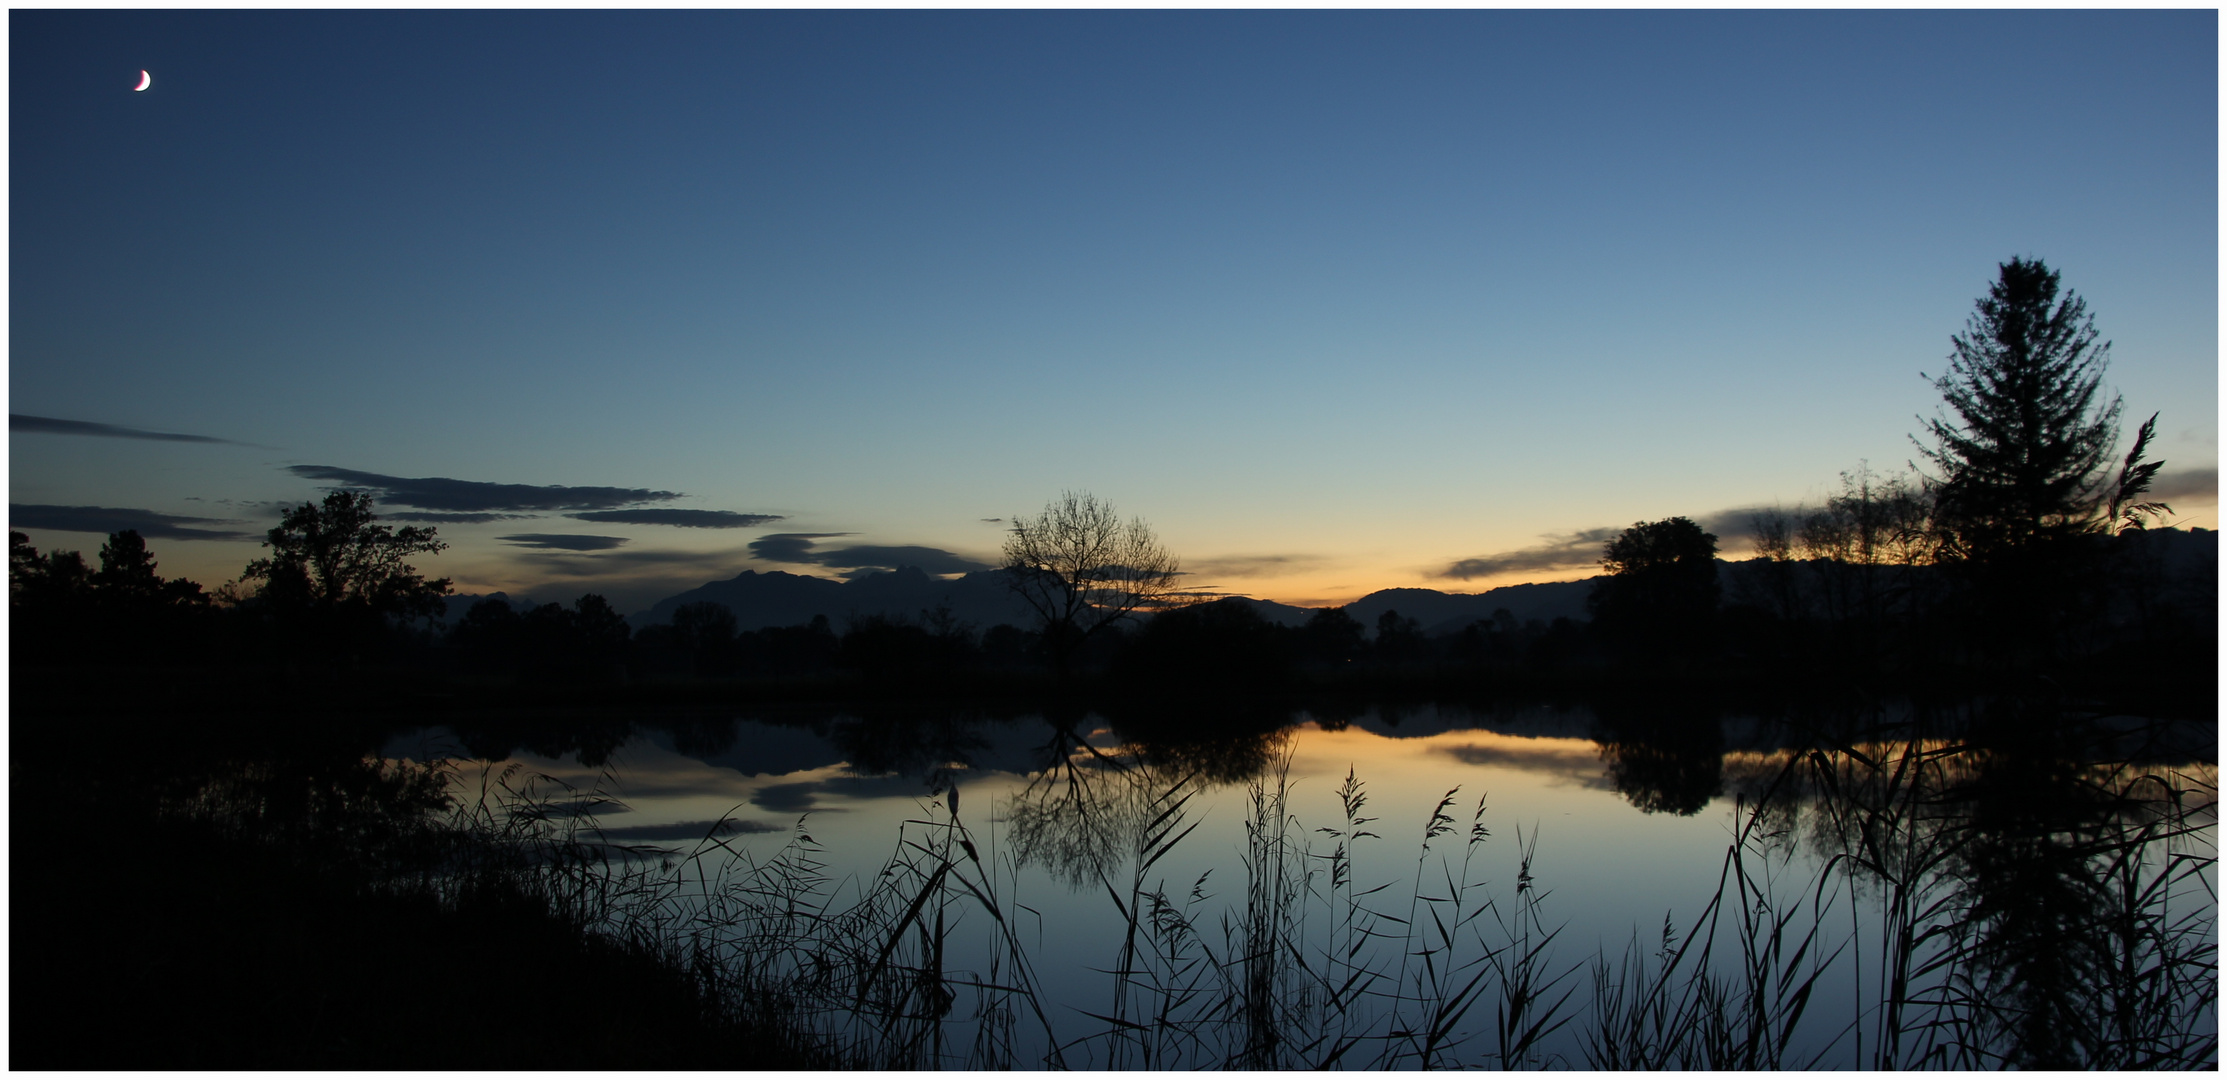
{"x":127,"y":570}
{"x":1224,"y":643}
{"x":705,"y":631}
{"x":337,"y":557}
{"x":1398,"y":639}
{"x":884,"y":649}
{"x":1661,"y":588}
{"x":488,"y":637}
{"x":604,"y":637}
{"x":1080,"y":568}
{"x":1332,"y":636}
{"x":2022,"y":456}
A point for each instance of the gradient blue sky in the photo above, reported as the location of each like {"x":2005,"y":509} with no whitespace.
{"x":1334,"y":299}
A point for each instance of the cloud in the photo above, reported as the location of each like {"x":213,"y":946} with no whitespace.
{"x":455,"y":519}
{"x":564,"y":541}
{"x":47,"y":425}
{"x":581,"y":563}
{"x":476,"y":496}
{"x":801,"y":548}
{"x":1581,"y":550}
{"x":2189,"y":485}
{"x":1238,"y":566}
{"x":106,"y":519}
{"x":1563,"y":551}
{"x":803,"y":796}
{"x":869,"y":556}
{"x":686,"y":519}
{"x":687,"y":830}
{"x":1738,"y":524}
{"x":787,"y":547}
{"x":787,"y":798}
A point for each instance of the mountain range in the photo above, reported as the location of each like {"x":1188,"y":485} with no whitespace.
{"x":778,"y":598}
{"x":982,"y":599}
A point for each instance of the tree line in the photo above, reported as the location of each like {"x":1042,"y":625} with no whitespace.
{"x":2019,"y":544}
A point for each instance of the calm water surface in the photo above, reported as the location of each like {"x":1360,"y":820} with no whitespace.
{"x":1622,"y":833}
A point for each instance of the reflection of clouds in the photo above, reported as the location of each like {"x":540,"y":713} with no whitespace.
{"x":1571,"y":760}
{"x":688,"y":830}
{"x":787,"y":798}
{"x":803,"y":795}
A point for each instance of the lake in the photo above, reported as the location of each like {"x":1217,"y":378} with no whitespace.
{"x":1418,"y":884}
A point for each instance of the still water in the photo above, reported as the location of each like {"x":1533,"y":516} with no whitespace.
{"x":1604,"y":828}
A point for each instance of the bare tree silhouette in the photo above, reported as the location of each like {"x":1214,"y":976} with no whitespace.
{"x":1081,"y":569}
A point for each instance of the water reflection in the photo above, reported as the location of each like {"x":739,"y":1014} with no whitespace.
{"x":1665,"y":755}
{"x":2021,"y":878}
{"x":2048,"y":899}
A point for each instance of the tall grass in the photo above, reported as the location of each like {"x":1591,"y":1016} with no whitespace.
{"x":1922,"y":911}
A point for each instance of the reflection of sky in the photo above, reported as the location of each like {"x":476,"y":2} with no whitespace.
{"x":1591,"y":846}
{"x":1608,"y":874}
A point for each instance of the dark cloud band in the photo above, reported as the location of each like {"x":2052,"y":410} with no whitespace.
{"x":1578,"y":549}
{"x":47,"y":425}
{"x":788,"y":547}
{"x":454,"y":519}
{"x":107,"y":519}
{"x":475,"y":496}
{"x":802,"y":548}
{"x":563,"y":541}
{"x":686,"y":519}
{"x":2191,"y":485}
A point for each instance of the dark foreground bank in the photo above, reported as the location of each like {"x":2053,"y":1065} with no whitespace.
{"x":195,"y":896}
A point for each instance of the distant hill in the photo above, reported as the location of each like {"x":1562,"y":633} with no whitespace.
{"x":1447,"y":613}
{"x":779,"y":598}
{"x":1280,"y":614}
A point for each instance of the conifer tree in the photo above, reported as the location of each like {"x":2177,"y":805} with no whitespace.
{"x":2028,"y":432}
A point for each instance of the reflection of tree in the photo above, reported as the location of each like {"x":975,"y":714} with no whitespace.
{"x":1078,"y":812}
{"x":1225,"y":742}
{"x":2030,"y":882}
{"x":2052,"y":884}
{"x":1664,"y":756}
{"x":1082,"y":812}
{"x":929,"y":743}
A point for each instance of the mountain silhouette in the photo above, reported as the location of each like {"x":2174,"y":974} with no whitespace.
{"x":780,"y":598}
{"x":1447,"y":613}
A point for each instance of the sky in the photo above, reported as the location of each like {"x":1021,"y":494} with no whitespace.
{"x":625,"y":302}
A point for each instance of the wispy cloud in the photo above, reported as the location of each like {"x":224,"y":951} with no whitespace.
{"x":1581,"y":550}
{"x":576,"y":564}
{"x":2187,"y":485}
{"x":1562,"y":551}
{"x":47,"y":425}
{"x":453,"y":519}
{"x":1736,"y":525}
{"x":1243,"y":566}
{"x":686,"y":830}
{"x":563,"y":541}
{"x":476,"y":496}
{"x":686,"y":519}
{"x":802,"y":548}
{"x":109,"y":519}
{"x":788,"y":547}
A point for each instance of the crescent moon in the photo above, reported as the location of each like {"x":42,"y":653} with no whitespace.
{"x":145,"y":81}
